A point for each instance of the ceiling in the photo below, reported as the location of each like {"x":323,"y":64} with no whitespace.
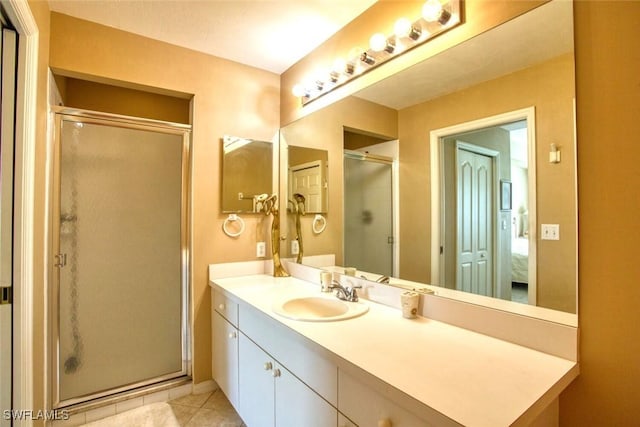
{"x":268,"y":34}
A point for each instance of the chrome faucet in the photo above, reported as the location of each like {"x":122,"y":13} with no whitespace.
{"x":345,"y":293}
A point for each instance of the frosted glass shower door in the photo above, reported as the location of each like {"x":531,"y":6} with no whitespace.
{"x":368,"y":215}
{"x":121,"y":256}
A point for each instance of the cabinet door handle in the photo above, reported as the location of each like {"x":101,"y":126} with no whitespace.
{"x":268,"y":366}
{"x":233,"y":334}
{"x":276,"y":373}
{"x":221,"y":307}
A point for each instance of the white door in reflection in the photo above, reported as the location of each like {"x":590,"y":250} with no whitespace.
{"x":475,"y":213}
{"x":368,"y":213}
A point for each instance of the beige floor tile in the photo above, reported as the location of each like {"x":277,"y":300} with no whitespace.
{"x":205,"y":418}
{"x":195,"y":400}
{"x":183,"y":413}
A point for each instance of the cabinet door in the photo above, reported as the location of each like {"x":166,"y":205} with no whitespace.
{"x":225,"y":357}
{"x":256,"y":385}
{"x":366,"y":407}
{"x":298,"y":405}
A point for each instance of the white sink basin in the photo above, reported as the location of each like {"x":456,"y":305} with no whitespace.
{"x":319,"y":309}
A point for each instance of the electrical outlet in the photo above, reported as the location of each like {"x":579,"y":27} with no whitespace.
{"x":295,"y":247}
{"x":550,"y":231}
{"x":261,"y":249}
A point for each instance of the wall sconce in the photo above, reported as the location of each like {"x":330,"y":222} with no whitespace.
{"x":437,"y":17}
{"x":554,"y":154}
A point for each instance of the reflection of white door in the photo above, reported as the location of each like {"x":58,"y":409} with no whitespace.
{"x":309,"y":180}
{"x":474,"y":266}
{"x":8,"y":54}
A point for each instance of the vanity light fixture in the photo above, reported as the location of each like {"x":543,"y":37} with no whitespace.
{"x":437,"y":16}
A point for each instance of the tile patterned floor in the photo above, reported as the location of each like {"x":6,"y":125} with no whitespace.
{"x":205,"y":410}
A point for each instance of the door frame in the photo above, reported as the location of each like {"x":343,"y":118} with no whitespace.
{"x":435,"y":136}
{"x":19,"y":13}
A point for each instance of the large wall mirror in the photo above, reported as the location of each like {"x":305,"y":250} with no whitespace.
{"x":460,"y":171}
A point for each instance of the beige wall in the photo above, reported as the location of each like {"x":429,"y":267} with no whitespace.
{"x":120,"y":100}
{"x":549,"y":87}
{"x":608,"y":125}
{"x":227,"y":98}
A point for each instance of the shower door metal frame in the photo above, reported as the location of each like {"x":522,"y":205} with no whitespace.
{"x":115,"y":120}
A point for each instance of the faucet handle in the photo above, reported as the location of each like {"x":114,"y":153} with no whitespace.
{"x":353,"y":294}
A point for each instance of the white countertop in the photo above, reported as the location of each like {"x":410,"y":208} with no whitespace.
{"x":470,"y":378}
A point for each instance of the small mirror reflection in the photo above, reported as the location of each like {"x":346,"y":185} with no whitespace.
{"x":247,"y":173}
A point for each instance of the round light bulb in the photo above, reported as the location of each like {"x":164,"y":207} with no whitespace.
{"x":378,"y":42}
{"x":339,"y":65}
{"x":298,"y":90}
{"x":355,"y":53}
{"x":402,"y":28}
{"x":432,"y":10}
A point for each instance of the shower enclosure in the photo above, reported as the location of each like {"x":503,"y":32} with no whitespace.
{"x":120,"y":249}
{"x":368,"y":212}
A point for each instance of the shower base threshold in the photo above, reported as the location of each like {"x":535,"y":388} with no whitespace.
{"x":127,"y":395}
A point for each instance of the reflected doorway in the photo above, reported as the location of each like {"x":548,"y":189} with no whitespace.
{"x":485,"y":206}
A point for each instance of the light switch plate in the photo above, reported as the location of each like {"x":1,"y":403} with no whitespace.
{"x":295,"y":247}
{"x":550,"y":231}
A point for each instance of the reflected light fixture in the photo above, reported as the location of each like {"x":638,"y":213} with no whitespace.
{"x":437,"y":17}
{"x":432,"y":11}
{"x":405,"y":28}
{"x":380,"y":43}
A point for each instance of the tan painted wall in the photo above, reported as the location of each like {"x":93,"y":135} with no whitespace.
{"x":228,"y":98}
{"x":324,"y":130}
{"x":550,"y":88}
{"x":608,"y":125}
{"x":119,"y":100}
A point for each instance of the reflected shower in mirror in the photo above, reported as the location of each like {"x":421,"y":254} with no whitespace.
{"x":247,"y":172}
{"x":515,"y":78}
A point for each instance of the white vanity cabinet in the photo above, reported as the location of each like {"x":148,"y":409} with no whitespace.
{"x":271,"y":396}
{"x":225,"y":345}
{"x":367,"y":407}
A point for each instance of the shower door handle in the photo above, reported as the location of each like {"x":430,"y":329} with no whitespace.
{"x":61,"y":260}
